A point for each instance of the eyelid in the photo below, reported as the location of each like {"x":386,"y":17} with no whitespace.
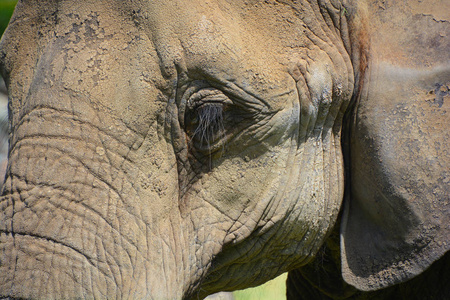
{"x":207,"y":95}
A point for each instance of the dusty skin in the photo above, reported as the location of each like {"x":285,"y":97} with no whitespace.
{"x":174,"y":149}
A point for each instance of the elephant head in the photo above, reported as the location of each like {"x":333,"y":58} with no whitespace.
{"x":172,"y":149}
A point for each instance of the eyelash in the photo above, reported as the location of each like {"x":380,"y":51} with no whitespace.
{"x":208,"y":123}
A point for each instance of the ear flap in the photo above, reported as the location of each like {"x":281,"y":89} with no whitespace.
{"x":396,"y":218}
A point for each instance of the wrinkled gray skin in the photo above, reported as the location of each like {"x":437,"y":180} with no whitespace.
{"x":4,"y":129}
{"x":173,"y":149}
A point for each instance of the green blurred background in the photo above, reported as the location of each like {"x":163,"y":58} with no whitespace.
{"x":272,"y":290}
{"x":6,"y":10}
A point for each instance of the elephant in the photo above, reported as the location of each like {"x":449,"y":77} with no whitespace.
{"x":174,"y":149}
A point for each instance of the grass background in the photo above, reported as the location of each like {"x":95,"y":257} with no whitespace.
{"x":271,"y":290}
{"x":6,"y":10}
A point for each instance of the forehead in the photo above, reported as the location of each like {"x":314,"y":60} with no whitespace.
{"x":275,"y":23}
{"x":259,"y":40}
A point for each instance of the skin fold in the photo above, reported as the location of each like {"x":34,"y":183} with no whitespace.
{"x":174,"y":149}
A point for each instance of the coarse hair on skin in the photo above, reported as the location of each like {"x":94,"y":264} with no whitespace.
{"x":210,"y":124}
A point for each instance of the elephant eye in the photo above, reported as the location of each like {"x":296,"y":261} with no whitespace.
{"x":205,"y":119}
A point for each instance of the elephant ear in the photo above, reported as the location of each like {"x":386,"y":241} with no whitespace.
{"x":396,"y":219}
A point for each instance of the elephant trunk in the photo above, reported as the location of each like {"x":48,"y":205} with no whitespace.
{"x":66,"y":228}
